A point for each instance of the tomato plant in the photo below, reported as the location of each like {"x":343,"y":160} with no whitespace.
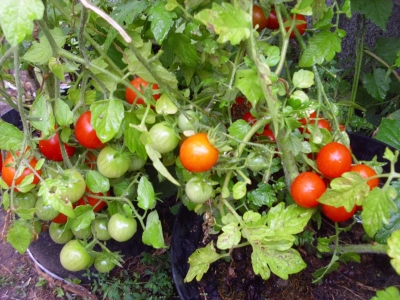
{"x":197,"y":154}
{"x":307,"y":188}
{"x":10,"y":169}
{"x":51,"y":148}
{"x":366,"y":172}
{"x":140,"y":85}
{"x":337,"y":214}
{"x":85,"y":133}
{"x":74,"y":257}
{"x":259,"y":18}
{"x":334,"y":159}
{"x":121,"y":228}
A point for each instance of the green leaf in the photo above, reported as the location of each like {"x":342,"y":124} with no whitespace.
{"x":238,"y":130}
{"x":281,"y":263}
{"x":146,"y":196}
{"x":132,"y":135}
{"x":96,"y":182}
{"x":378,"y":11}
{"x":264,"y":194}
{"x":377,"y":84}
{"x":376,"y":210}
{"x":107,"y":116}
{"x":303,"y":79}
{"x":11,"y":137}
{"x":347,"y":191}
{"x":289,"y":220}
{"x":155,"y":157}
{"x":387,"y":48}
{"x":322,"y":46}
{"x":165,"y":106}
{"x":389,"y":133}
{"x":84,"y":217}
{"x":230,"y":236}
{"x":40,"y":53}
{"x":53,"y":199}
{"x":184,"y":50}
{"x":390,"y":293}
{"x":323,"y":244}
{"x":161,"y":21}
{"x":199,"y":262}
{"x":19,"y":235}
{"x":63,"y":113}
{"x":346,"y":8}
{"x":247,"y":82}
{"x":231,"y":22}
{"x":42,"y":116}
{"x":153,"y":234}
{"x":57,"y":68}
{"x":394,"y":250}
{"x":16,"y":18}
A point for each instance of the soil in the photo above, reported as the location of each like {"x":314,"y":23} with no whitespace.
{"x":236,"y":280}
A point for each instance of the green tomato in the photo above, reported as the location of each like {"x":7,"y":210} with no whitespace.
{"x":198,"y":190}
{"x":183,"y":123}
{"x":45,"y":212}
{"x":164,"y":139}
{"x":103,"y":263}
{"x":74,"y":257}
{"x":72,"y":186}
{"x":82,"y":234}
{"x":99,"y":229}
{"x":256,"y":162}
{"x":124,"y":188}
{"x":24,"y":200}
{"x":136,"y":163}
{"x":59,"y":234}
{"x":121,"y":228}
{"x":111,"y":163}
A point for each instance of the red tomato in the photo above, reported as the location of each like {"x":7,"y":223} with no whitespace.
{"x":51,"y":148}
{"x":197,"y":154}
{"x":140,"y":85}
{"x":259,"y":18}
{"x":9,"y":169}
{"x":366,"y":171}
{"x":85,"y":133}
{"x":307,"y":188}
{"x":60,"y":219}
{"x":342,"y":127}
{"x":273,"y":21}
{"x":249,"y":118}
{"x":269,"y":134}
{"x":91,"y":160}
{"x":304,"y":121}
{"x":333,"y":160}
{"x":95,"y":202}
{"x":241,"y":104}
{"x":301,"y":25}
{"x":321,"y":123}
{"x":337,"y":214}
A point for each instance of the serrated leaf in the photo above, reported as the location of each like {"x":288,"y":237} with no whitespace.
{"x":389,"y":133}
{"x":394,"y":250}
{"x":262,"y":195}
{"x":230,"y":236}
{"x":322,"y":46}
{"x":57,"y":68}
{"x":247,"y":82}
{"x":107,"y":116}
{"x":146,"y":196}
{"x":376,"y":210}
{"x":19,"y":235}
{"x":386,"y":48}
{"x":230,"y":22}
{"x":158,"y":165}
{"x":161,"y":21}
{"x":238,"y":130}
{"x":347,"y":191}
{"x":303,"y":79}
{"x":96,"y":182}
{"x":42,"y":116}
{"x":377,"y":84}
{"x":84,"y":217}
{"x":17,"y":16}
{"x":11,"y":137}
{"x":378,"y":11}
{"x":63,"y":113}
{"x":153,"y":234}
{"x":184,"y":50}
{"x":200,"y":261}
{"x":390,"y":293}
{"x":40,"y":53}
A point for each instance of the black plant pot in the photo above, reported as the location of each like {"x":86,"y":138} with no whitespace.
{"x":187,"y":230}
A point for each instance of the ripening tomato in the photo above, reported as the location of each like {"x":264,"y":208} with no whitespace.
{"x":337,"y":214}
{"x":307,"y":188}
{"x":249,"y":118}
{"x":85,"y":133}
{"x":60,"y":219}
{"x":140,"y":85}
{"x":259,"y":18}
{"x":8,"y":171}
{"x":334,"y":159}
{"x":197,"y":154}
{"x":366,"y":172}
{"x":301,"y":25}
{"x":51,"y":148}
{"x":273,"y":21}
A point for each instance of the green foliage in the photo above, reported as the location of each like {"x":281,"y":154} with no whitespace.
{"x":378,"y":11}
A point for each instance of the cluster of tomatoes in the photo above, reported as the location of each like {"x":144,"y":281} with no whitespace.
{"x":332,"y":160}
{"x":272,"y":23}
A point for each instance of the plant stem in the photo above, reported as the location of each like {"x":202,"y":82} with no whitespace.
{"x":383,"y":63}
